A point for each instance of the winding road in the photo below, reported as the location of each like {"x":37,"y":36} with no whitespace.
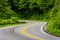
{"x":33,"y":30}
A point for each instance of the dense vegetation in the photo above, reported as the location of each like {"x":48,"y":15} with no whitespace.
{"x":7,"y":16}
{"x":43,"y":10}
{"x":29,"y":8}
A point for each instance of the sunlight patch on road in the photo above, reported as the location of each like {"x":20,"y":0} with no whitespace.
{"x":29,"y":35}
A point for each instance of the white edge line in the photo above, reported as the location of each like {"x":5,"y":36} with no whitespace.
{"x":45,"y":32}
{"x":8,"y":27}
{"x":43,"y":27}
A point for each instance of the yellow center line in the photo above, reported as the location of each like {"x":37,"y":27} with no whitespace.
{"x":29,"y":35}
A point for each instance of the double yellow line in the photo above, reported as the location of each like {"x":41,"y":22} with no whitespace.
{"x":29,"y":35}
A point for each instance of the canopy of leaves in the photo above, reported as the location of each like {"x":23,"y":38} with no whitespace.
{"x":30,"y":7}
{"x":5,"y":10}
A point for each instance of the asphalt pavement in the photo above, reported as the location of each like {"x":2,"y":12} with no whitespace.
{"x":33,"y":30}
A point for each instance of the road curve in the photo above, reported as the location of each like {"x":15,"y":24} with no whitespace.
{"x":33,"y":30}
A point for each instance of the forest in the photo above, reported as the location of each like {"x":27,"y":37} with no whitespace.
{"x":42,"y":10}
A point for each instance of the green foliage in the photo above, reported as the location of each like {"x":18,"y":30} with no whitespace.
{"x":53,"y":26}
{"x":6,"y":14}
{"x":5,"y":11}
{"x":27,"y":8}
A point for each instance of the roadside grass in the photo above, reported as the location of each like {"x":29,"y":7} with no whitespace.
{"x":53,"y":28}
{"x":53,"y":19}
{"x":8,"y":23}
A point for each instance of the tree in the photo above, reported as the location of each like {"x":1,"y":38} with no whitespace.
{"x":5,"y":10}
{"x":30,"y":7}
